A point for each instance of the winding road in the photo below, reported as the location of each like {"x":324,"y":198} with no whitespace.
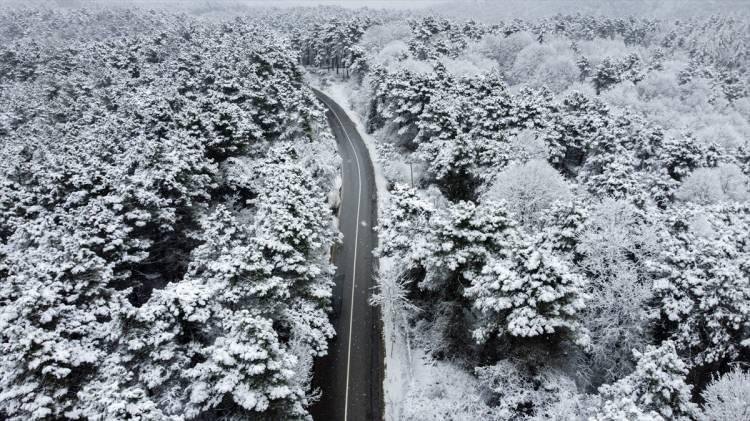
{"x":350,"y":376}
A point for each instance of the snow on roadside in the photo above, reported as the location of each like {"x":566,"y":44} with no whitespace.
{"x":334,"y":200}
{"x":398,"y":357}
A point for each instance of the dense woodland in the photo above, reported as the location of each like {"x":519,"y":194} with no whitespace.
{"x":577,"y":237}
{"x":575,"y":243}
{"x":164,"y":219}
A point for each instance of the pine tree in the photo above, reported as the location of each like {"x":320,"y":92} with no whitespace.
{"x":461,"y":240}
{"x":656,"y":390}
{"x":701,"y":286}
{"x":584,"y":66}
{"x":681,"y":156}
{"x":403,"y":226}
{"x":606,"y":74}
{"x":571,"y":129}
{"x":563,"y":225}
{"x":61,"y":313}
{"x":533,"y":293}
{"x":295,"y":233}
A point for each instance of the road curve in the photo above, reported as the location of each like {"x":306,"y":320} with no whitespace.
{"x":350,"y":376}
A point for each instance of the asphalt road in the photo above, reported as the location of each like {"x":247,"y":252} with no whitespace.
{"x":350,"y":376}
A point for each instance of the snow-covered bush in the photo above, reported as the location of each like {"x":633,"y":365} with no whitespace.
{"x":378,"y":38}
{"x":527,"y":145}
{"x":709,"y":186}
{"x":528,"y":61}
{"x":656,"y":390}
{"x":613,"y":247}
{"x":726,"y":131}
{"x":444,"y":391}
{"x":557,"y":73}
{"x":504,"y":49}
{"x":392,"y":53}
{"x":616,"y":320}
{"x":595,"y":50}
{"x":518,"y":393}
{"x":529,"y":189}
{"x":618,"y":239}
{"x":727,"y":397}
{"x":468,"y":65}
{"x":659,"y":84}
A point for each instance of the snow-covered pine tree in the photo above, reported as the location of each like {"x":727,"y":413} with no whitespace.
{"x":294,"y":231}
{"x":682,"y":155}
{"x":701,"y":283}
{"x":404,"y":225}
{"x":563,"y":224}
{"x":530,"y":293}
{"x":656,"y":390}
{"x":606,"y":74}
{"x":61,"y":316}
{"x":461,"y":240}
{"x":568,"y":135}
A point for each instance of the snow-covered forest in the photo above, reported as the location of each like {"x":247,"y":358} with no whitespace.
{"x":564,"y":232}
{"x":164,"y":219}
{"x":567,"y":232}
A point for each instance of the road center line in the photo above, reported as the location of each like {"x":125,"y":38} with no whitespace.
{"x":354,"y":266}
